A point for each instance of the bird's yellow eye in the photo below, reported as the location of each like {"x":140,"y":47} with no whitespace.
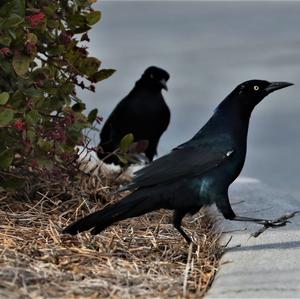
{"x":256,"y":87}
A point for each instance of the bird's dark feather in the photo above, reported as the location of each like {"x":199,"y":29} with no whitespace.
{"x":143,"y":112}
{"x":196,"y":173}
{"x":181,"y":163}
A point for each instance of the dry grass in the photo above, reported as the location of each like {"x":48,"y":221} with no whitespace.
{"x":143,"y":257}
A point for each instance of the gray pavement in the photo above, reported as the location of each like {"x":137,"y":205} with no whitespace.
{"x":267,"y":266}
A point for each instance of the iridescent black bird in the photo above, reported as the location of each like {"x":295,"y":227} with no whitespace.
{"x":143,"y":112}
{"x":196,"y":173}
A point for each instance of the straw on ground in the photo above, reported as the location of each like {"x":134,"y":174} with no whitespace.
{"x":143,"y":257}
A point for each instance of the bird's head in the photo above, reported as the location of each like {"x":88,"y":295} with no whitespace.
{"x":155,"y":78}
{"x":251,"y":92}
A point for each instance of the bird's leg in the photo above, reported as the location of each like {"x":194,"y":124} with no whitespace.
{"x":224,"y":206}
{"x":178,"y":215}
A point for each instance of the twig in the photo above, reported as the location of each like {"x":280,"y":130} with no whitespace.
{"x":186,"y":272}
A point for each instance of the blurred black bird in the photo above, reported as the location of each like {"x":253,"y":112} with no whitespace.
{"x":196,"y":173}
{"x":143,"y":112}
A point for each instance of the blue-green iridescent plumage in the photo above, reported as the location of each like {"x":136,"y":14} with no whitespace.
{"x":196,"y":173}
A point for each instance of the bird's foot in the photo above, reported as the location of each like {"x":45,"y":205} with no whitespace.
{"x":274,"y":223}
{"x":279,"y":222}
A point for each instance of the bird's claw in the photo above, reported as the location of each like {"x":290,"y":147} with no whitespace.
{"x":274,"y":223}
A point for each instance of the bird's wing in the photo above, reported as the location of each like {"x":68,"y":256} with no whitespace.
{"x":182,"y":162}
{"x":115,"y":126}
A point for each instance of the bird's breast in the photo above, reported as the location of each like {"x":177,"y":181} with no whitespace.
{"x":218,"y":179}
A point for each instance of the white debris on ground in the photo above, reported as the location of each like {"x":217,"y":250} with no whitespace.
{"x":91,"y":164}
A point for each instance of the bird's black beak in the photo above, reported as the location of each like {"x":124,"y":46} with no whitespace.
{"x":277,"y":85}
{"x":163,"y":83}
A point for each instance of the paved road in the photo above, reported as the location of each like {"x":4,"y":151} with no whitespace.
{"x":263,"y":267}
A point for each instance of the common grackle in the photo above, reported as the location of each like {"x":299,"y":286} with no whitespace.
{"x":194,"y":174}
{"x":143,"y":112}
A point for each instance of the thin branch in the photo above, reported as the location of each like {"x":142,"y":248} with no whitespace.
{"x":62,"y":72}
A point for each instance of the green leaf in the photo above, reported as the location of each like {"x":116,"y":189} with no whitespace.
{"x":89,"y":65}
{"x":12,"y":33}
{"x":32,"y":117}
{"x":13,"y":20}
{"x":50,"y":9}
{"x":93,"y":17}
{"x":17,"y":100}
{"x":31,"y":134}
{"x":5,"y":40}
{"x":57,"y":50}
{"x":19,"y":7}
{"x":78,"y":107}
{"x":102,"y":75}
{"x":33,"y":92}
{"x":6,"y":67}
{"x":21,"y":64}
{"x":4,"y":96}
{"x":126,"y":142}
{"x":74,"y":132}
{"x":122,"y":159}
{"x":6,"y":158}
{"x":66,"y":89}
{"x":45,"y":145}
{"x":6,"y":116}
{"x":45,"y":163}
{"x":92,"y":115}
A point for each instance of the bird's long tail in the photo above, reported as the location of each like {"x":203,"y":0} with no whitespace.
{"x":130,"y":206}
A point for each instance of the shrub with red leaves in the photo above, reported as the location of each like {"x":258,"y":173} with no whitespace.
{"x":19,"y":125}
{"x":36,"y":19}
{"x":42,"y":61}
{"x":5,"y":52}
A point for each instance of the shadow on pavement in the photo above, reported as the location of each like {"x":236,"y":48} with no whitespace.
{"x":281,"y":245}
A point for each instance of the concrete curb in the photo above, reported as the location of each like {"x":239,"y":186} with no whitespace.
{"x":263,"y":267}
